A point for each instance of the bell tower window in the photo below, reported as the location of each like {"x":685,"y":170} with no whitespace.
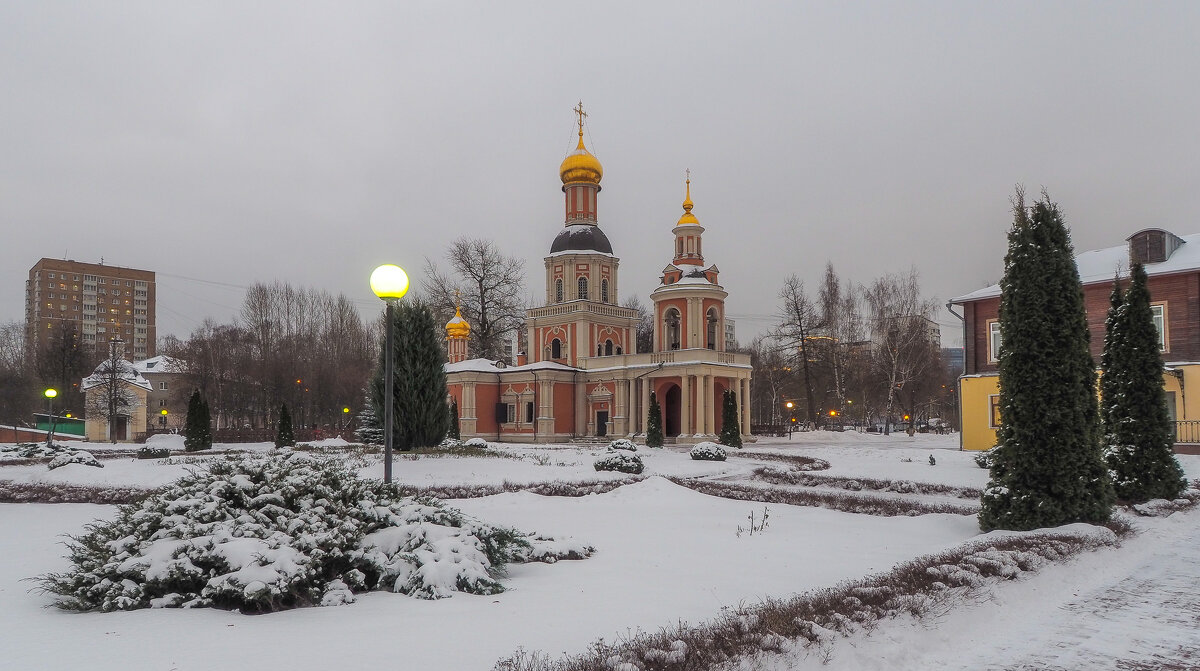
{"x":583,"y":289}
{"x":671,"y":321}
{"x":558,"y":290}
{"x":712,"y":328}
{"x":604,"y":290}
{"x":556,"y":349}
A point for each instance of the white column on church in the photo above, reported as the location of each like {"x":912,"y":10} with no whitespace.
{"x":685,"y":406}
{"x":710,"y":424}
{"x":633,"y":412}
{"x":744,"y":400}
{"x":643,"y":422}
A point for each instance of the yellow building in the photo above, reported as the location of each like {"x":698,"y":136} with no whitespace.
{"x":1173,"y":266}
{"x":116,"y":391}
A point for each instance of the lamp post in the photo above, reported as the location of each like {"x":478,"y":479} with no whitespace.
{"x":163,"y":422}
{"x":390,"y":283}
{"x":50,"y":394}
{"x":345,"y":420}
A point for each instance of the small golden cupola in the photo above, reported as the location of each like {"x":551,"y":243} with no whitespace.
{"x":457,"y":333}
{"x":580,"y":166}
{"x":688,"y":217}
{"x":688,"y":232}
{"x":458,"y":328}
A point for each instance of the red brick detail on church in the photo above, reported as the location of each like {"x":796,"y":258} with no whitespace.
{"x":564,"y":408}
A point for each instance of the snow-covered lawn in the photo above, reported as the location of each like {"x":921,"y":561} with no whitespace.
{"x":663,"y":553}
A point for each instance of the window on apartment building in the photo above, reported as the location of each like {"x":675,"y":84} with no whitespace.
{"x":51,"y":276}
{"x":994,"y":411}
{"x":993,"y":341}
{"x":1159,"y":312}
{"x":162,"y":386}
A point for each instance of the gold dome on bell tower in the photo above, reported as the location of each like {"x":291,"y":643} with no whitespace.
{"x":457,"y":328}
{"x":580,"y":165}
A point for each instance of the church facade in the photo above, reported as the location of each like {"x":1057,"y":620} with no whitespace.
{"x":581,"y":375}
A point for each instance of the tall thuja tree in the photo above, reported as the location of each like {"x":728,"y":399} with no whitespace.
{"x":196,"y":433}
{"x":283,"y":433}
{"x":731,"y":434}
{"x":1138,"y":433}
{"x":419,"y":379}
{"x":454,"y":430}
{"x":654,"y":434}
{"x":1048,"y":468}
{"x":370,"y":425}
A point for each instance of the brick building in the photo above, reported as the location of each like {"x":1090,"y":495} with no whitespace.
{"x":102,"y":303}
{"x":1173,"y":266}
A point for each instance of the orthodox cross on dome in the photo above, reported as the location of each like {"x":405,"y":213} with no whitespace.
{"x":687,"y":199}
{"x":582,"y":115}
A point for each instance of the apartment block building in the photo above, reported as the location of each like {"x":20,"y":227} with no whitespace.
{"x":102,"y":302}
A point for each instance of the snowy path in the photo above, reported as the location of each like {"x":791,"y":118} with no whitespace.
{"x":1134,"y":608}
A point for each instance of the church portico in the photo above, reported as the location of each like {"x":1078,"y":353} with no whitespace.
{"x":581,"y":375}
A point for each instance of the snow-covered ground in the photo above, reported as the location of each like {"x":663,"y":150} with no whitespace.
{"x":664,"y":553}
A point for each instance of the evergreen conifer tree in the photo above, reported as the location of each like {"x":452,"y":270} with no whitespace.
{"x":283,"y":434}
{"x":654,"y":434}
{"x":731,"y":434}
{"x":454,"y":430}
{"x":194,"y":425}
{"x":370,"y":425}
{"x":1048,"y":469}
{"x":1138,"y":432}
{"x":419,"y":379}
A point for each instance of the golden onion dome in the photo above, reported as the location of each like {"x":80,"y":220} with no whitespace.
{"x":458,"y":327}
{"x":688,"y":217}
{"x":580,"y":166}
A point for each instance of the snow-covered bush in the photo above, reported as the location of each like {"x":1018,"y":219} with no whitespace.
{"x":78,"y":457}
{"x":32,"y":450}
{"x":149,"y":452}
{"x":623,"y":444}
{"x":451,"y":443}
{"x":269,"y":532}
{"x":707,"y":451}
{"x":622,"y":461}
{"x":985,"y":459}
{"x":476,"y":442}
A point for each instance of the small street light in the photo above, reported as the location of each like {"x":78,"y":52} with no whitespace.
{"x":50,"y":394}
{"x":390,"y":283}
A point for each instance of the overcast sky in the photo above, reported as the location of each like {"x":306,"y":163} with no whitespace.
{"x":221,"y":144}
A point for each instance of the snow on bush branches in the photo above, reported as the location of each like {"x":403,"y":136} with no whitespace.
{"x":79,"y":457}
{"x":708,"y":452}
{"x":620,"y":460}
{"x":267,"y":533}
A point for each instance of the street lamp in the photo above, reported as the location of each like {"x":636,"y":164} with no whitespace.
{"x":163,"y":422}
{"x":390,"y":283}
{"x":50,"y":394}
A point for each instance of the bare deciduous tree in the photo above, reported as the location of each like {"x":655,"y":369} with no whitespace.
{"x":490,"y":286}
{"x":110,"y":391}
{"x":800,"y":321}
{"x":903,"y":346}
{"x":644,"y":334}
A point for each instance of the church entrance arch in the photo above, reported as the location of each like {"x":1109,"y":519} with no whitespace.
{"x":671,"y":411}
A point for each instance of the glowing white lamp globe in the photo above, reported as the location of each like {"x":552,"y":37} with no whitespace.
{"x":389,"y":282}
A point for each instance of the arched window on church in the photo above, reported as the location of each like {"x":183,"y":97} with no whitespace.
{"x":608,"y":348}
{"x":712,"y":328}
{"x":678,"y":246}
{"x":556,"y":349}
{"x":671,"y":322}
{"x":604,"y":290}
{"x":583,"y":288}
{"x":558,"y":290}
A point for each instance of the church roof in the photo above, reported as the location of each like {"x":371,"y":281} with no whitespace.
{"x":126,"y":372}
{"x":581,"y":238}
{"x":490,"y":366}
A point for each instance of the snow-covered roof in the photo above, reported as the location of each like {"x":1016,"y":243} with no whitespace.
{"x":1101,"y":265}
{"x":581,"y":239}
{"x":490,"y":366}
{"x":158,"y":364}
{"x":125,"y":370}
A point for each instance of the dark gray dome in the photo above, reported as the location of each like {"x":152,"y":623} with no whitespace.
{"x":581,"y":238}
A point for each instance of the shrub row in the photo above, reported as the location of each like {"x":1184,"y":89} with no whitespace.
{"x":778,"y":477}
{"x":847,"y":503}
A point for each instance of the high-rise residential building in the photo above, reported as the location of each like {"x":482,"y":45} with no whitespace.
{"x":101,"y":302}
